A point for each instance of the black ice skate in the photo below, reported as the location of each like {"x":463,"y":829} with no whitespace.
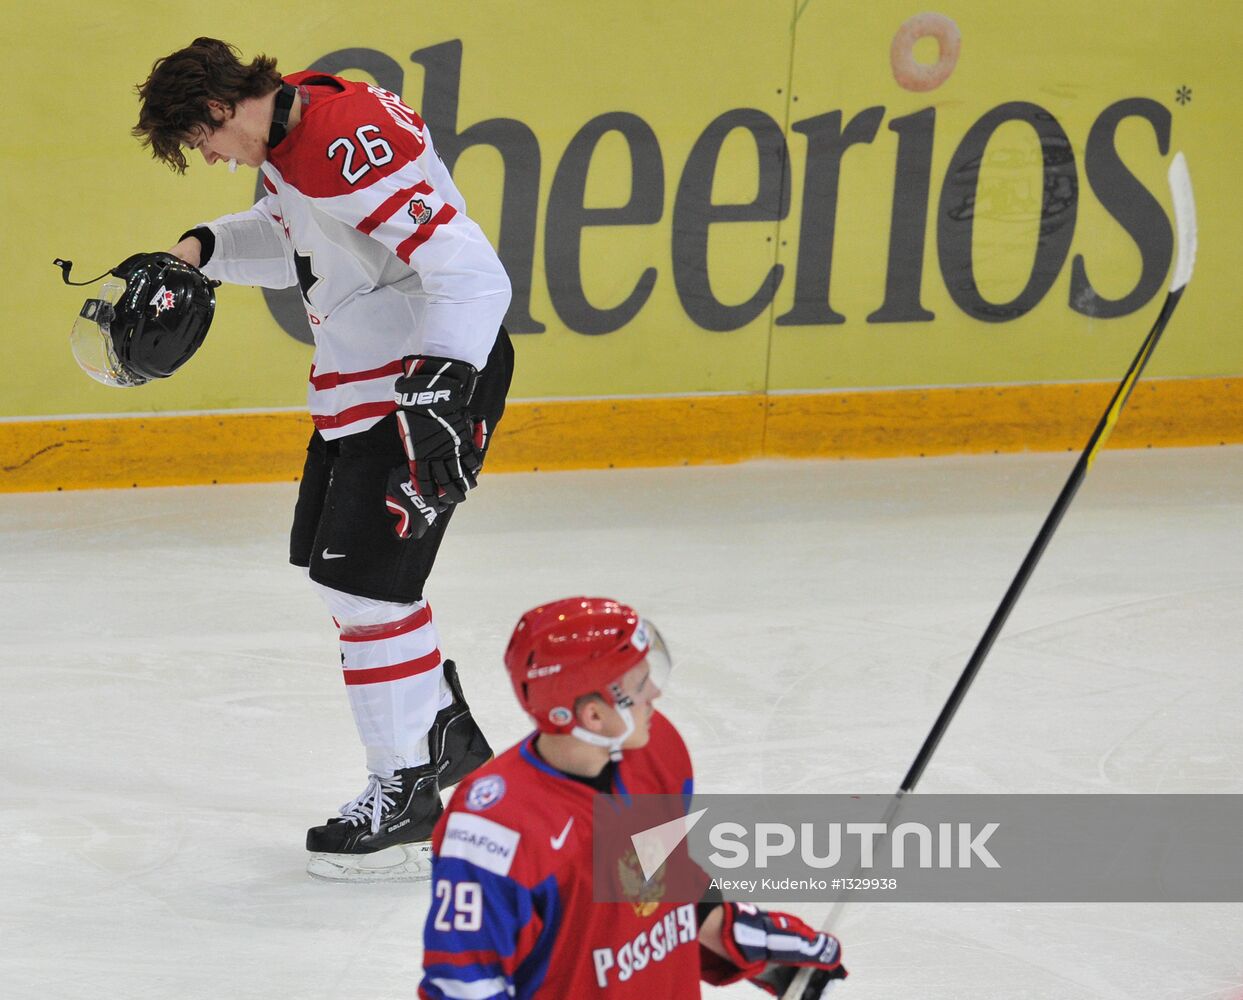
{"x":457,"y":744}
{"x":383,"y":835}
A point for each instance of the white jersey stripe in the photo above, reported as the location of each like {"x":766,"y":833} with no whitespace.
{"x":479,"y":989}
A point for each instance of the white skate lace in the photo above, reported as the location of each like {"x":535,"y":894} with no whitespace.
{"x":370,"y":805}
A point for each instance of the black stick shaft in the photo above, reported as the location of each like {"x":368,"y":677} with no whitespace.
{"x":803,"y":985}
{"x":1077,"y":475}
{"x":807,"y":985}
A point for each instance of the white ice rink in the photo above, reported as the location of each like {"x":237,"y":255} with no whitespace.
{"x":173,"y":714}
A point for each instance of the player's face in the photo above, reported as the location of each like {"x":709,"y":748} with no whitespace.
{"x":640,"y":685}
{"x":234,"y":138}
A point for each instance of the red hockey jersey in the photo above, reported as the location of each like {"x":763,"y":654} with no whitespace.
{"x":363,"y":216}
{"x":512,"y":913}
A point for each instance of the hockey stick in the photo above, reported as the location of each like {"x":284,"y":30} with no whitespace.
{"x":1185,"y":223}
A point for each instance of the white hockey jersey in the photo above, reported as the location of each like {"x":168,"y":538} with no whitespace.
{"x":362,"y":215}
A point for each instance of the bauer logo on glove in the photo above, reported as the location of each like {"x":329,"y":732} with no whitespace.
{"x":414,"y":514}
{"x":144,"y":325}
{"x":426,"y":398}
{"x":443,"y":444}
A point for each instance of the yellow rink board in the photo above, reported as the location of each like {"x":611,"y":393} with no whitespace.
{"x":584,"y":434}
{"x":773,"y":159}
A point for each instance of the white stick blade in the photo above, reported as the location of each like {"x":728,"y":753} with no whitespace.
{"x":1184,"y":221}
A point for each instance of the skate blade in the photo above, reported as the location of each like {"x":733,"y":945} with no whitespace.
{"x":400,"y":863}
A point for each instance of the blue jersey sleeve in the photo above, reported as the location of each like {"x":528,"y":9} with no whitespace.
{"x":487,"y":934}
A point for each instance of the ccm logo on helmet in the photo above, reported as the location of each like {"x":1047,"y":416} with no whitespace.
{"x":552,"y":668}
{"x":425,"y":398}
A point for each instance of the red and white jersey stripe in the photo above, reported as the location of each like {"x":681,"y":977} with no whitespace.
{"x":364,"y":217}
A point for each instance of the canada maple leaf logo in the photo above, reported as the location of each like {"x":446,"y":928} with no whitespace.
{"x":163,"y":299}
{"x":420,"y":212}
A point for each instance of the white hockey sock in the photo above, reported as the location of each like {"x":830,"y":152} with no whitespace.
{"x":391,"y":662}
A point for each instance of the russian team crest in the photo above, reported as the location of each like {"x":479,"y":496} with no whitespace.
{"x":485,"y":793}
{"x":644,"y":895}
{"x":420,"y":212}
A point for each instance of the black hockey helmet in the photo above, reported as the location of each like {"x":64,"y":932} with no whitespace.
{"x":146,"y":325}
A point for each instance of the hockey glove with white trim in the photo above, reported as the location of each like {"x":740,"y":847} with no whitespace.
{"x":443,"y":445}
{"x":768,"y":948}
{"x":414,"y":513}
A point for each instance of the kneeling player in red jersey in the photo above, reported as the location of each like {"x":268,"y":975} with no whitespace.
{"x":512,"y":912}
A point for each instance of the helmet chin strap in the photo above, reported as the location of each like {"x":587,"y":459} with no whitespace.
{"x":67,"y":265}
{"x":613,"y":744}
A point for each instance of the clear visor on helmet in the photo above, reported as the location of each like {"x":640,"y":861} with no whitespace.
{"x":91,"y":339}
{"x":648,"y":678}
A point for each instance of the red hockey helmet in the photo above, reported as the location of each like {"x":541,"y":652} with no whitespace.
{"x":578,"y":646}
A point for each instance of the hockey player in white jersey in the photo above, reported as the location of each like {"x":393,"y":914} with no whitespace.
{"x":405,"y":297}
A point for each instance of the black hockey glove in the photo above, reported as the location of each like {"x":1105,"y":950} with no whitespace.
{"x":443,"y":445}
{"x":415,"y":514}
{"x":768,"y":949}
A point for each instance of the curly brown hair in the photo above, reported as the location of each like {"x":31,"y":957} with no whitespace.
{"x":175,"y":96}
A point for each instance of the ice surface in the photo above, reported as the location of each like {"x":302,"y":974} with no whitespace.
{"x":173,"y":717}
